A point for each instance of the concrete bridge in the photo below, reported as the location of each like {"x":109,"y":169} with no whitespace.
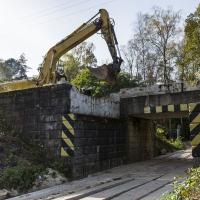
{"x":160,"y":105}
{"x":166,"y":102}
{"x":92,"y":134}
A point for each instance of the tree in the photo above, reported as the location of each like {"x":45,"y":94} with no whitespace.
{"x":4,"y":72}
{"x":22,"y":67}
{"x":162,"y":32}
{"x":154,"y":46}
{"x":85,"y":80}
{"x":16,"y":69}
{"x":189,"y":62}
{"x":12,"y":67}
{"x":80,"y":57}
{"x":129,"y":57}
{"x":141,"y":45}
{"x":71,"y":66}
{"x":138,"y":52}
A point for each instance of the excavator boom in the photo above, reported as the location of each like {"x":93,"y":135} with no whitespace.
{"x":48,"y":73}
{"x":86,"y":30}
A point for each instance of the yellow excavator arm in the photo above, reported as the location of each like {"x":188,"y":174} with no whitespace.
{"x":48,"y":73}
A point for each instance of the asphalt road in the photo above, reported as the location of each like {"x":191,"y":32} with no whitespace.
{"x":146,"y":180}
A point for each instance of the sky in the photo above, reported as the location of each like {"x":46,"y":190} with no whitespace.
{"x":33,"y":26}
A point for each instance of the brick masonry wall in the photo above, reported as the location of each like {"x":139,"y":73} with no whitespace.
{"x":140,"y":139}
{"x":94,"y":144}
{"x":99,"y":144}
{"x":36,"y":113}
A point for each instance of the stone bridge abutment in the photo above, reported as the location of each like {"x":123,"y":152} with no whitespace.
{"x":92,"y":134}
{"x":87,"y":133}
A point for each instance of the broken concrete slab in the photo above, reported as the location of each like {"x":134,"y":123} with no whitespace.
{"x":88,"y":105}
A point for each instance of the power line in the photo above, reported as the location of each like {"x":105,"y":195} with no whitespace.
{"x":44,"y":10}
{"x":60,"y":9}
{"x":76,"y":12}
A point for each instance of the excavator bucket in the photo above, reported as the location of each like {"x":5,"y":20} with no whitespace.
{"x":105,"y":73}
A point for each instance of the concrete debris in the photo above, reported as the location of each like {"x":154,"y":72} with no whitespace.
{"x":4,"y":194}
{"x":163,"y":151}
{"x":51,"y":178}
{"x":87,"y":105}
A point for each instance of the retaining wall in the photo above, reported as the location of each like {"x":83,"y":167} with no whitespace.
{"x":89,"y":137}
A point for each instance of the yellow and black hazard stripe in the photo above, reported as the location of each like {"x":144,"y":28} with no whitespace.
{"x":165,"y":108}
{"x":68,"y":135}
{"x":194,"y":116}
{"x":196,"y":151}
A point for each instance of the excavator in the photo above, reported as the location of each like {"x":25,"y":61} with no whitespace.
{"x":49,"y":73}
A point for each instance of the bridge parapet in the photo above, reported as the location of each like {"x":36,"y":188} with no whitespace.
{"x":156,"y":90}
{"x":99,"y":107}
{"x":166,"y":104}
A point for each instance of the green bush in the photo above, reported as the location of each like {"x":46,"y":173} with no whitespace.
{"x":162,"y":142}
{"x":23,"y":159}
{"x":20,"y":177}
{"x":84,"y":79}
{"x":177,"y":143}
{"x":161,"y":132}
{"x":186,"y":190}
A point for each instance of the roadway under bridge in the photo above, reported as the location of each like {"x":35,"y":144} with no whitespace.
{"x":146,"y":180}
